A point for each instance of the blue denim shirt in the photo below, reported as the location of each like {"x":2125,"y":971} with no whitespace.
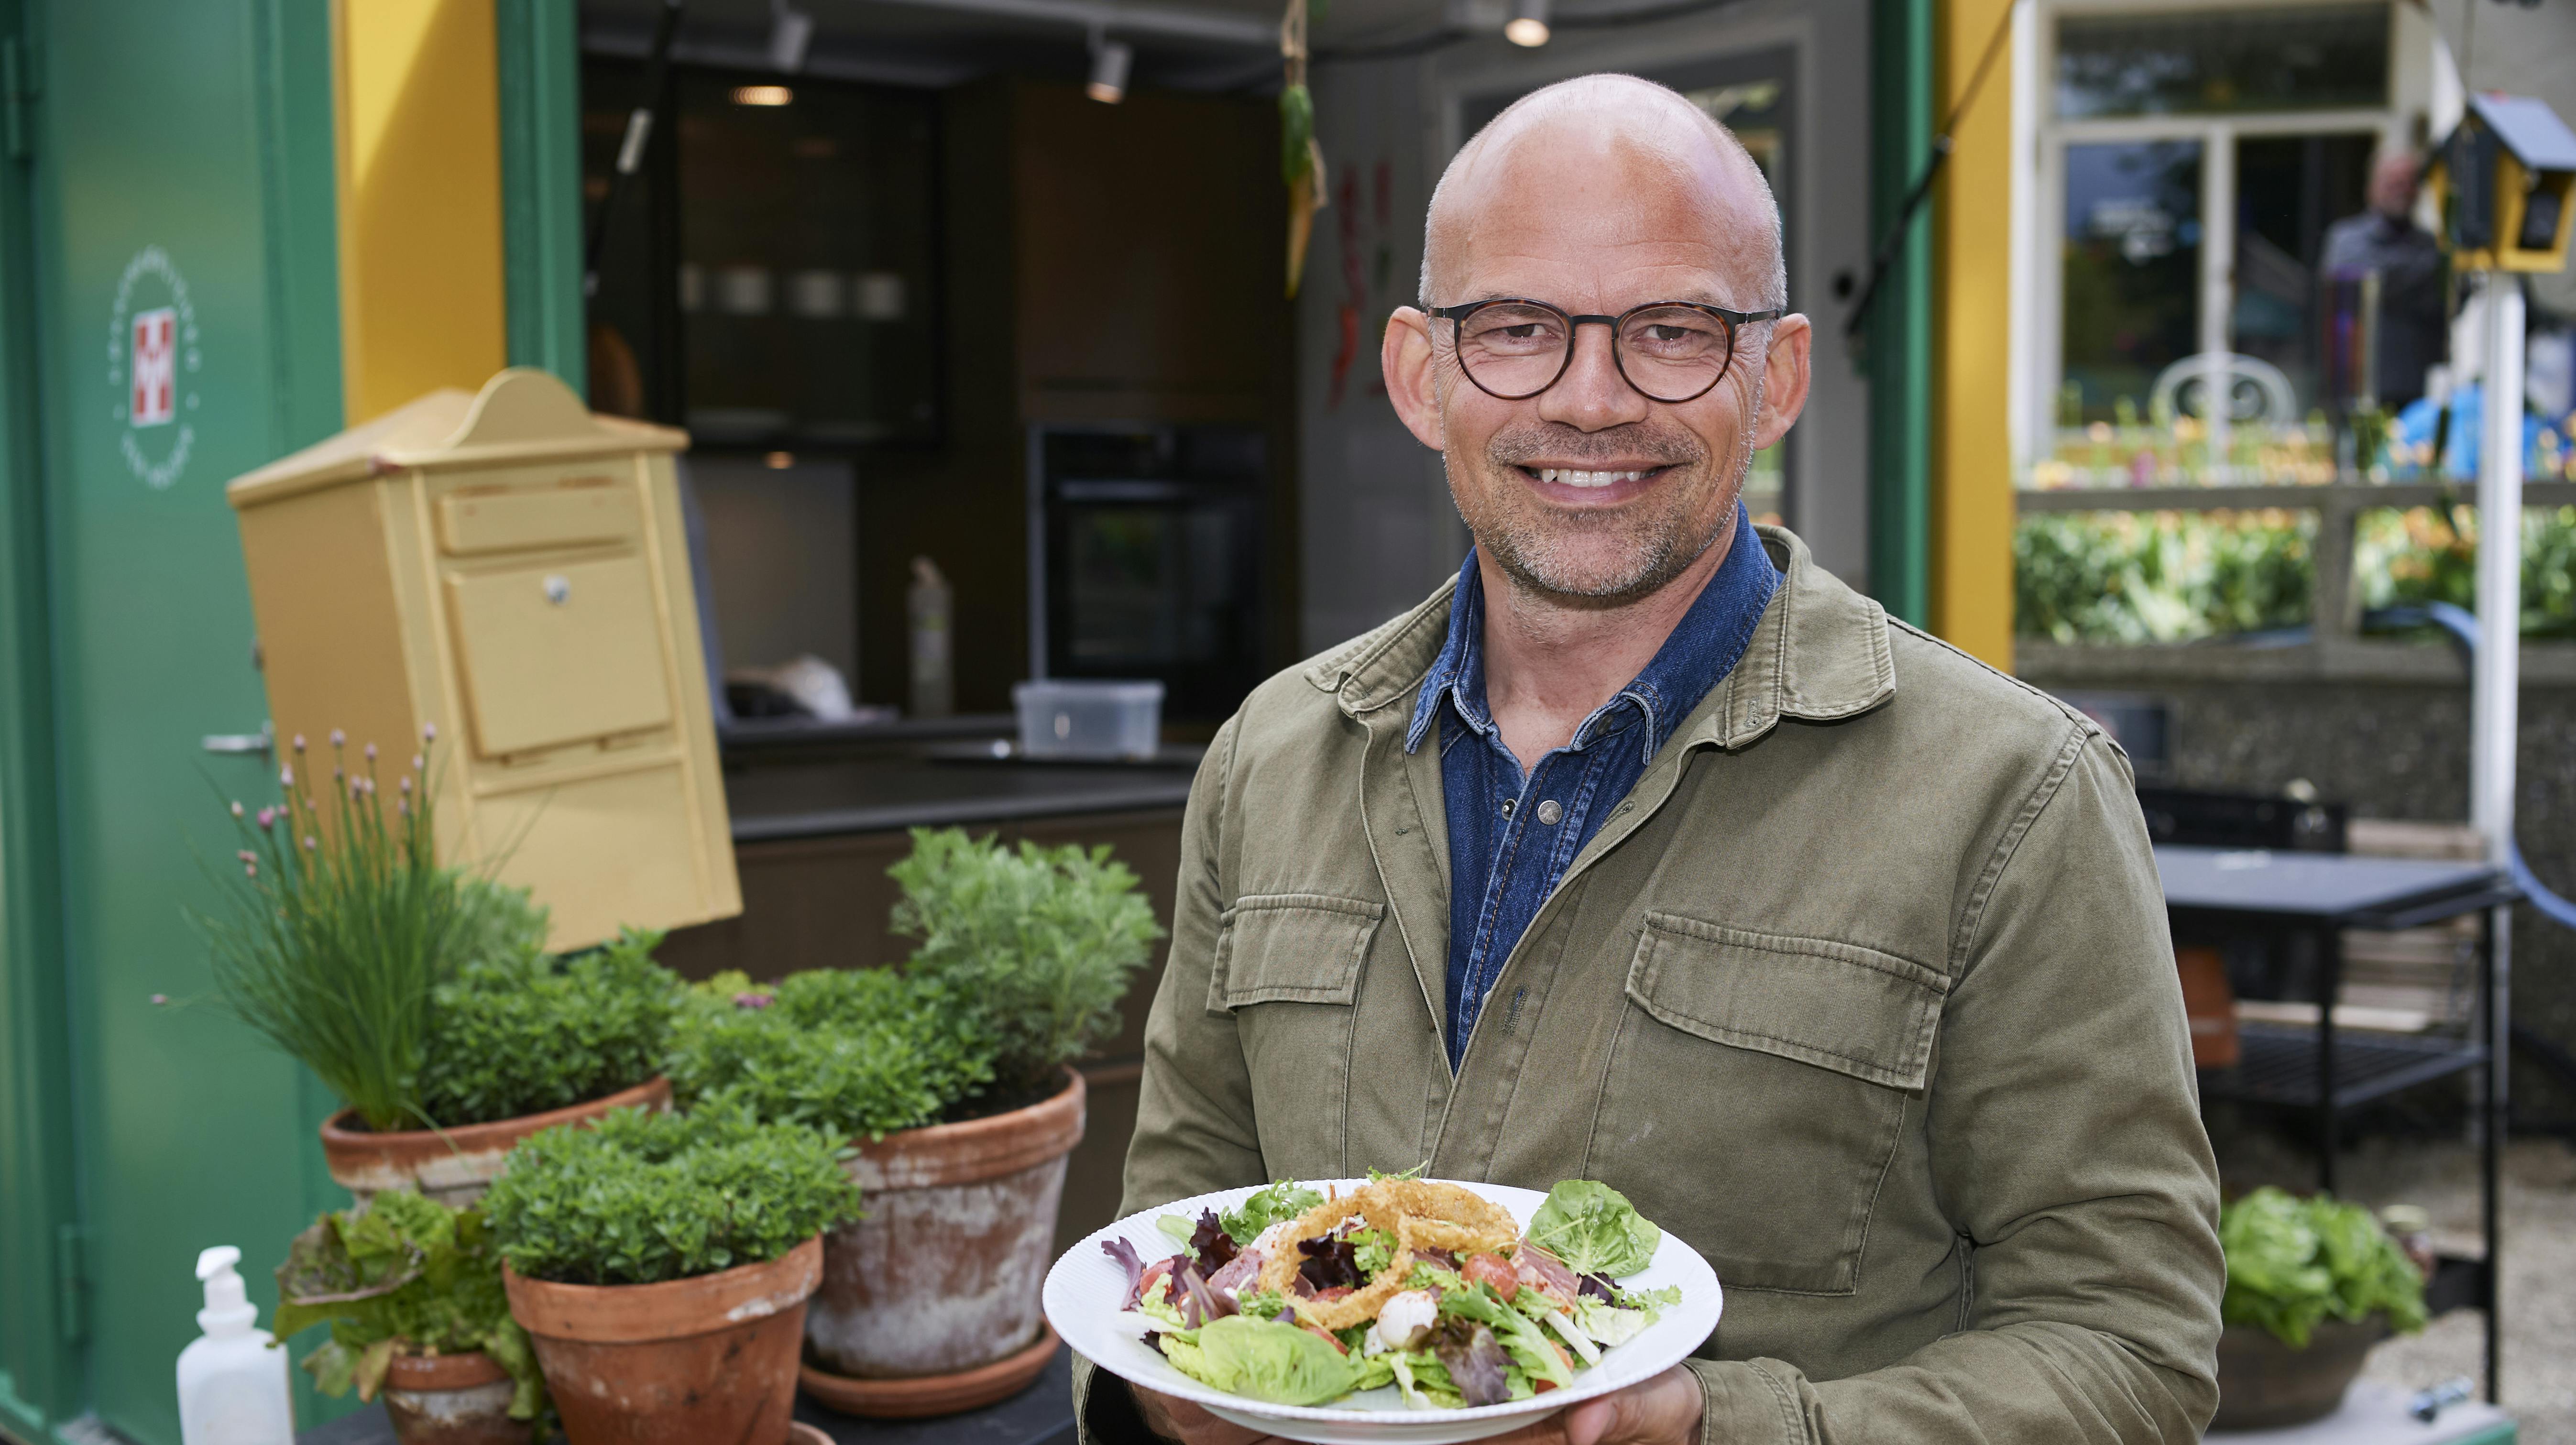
{"x":1511,"y":837}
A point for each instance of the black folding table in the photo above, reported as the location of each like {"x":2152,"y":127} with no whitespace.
{"x":2214,"y":893}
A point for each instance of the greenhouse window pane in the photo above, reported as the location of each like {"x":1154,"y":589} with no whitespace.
{"x":2311,"y":57}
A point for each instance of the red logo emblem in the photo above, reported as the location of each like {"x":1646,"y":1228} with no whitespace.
{"x":155,"y":369}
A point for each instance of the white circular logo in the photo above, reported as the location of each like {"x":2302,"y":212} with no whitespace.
{"x":152,"y":363}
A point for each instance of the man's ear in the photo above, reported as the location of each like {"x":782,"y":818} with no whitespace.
{"x":1784,"y":379}
{"x":1405,"y":355}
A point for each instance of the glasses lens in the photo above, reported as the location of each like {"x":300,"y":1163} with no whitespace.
{"x":1512,"y":349}
{"x":1673,"y":353}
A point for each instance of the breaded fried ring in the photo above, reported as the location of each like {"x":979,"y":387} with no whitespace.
{"x":1415,"y":1233}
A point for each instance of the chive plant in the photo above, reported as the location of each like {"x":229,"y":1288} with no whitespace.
{"x":338,"y":925}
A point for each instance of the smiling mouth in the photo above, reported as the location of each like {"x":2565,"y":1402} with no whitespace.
{"x":1578,"y":477}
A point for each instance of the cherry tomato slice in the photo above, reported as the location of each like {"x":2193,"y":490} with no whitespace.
{"x":1494,"y":1270}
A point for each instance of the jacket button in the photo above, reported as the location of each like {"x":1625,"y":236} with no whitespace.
{"x":1549,"y":811}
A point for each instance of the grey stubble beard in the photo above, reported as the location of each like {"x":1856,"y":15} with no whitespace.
{"x":1526,"y":553}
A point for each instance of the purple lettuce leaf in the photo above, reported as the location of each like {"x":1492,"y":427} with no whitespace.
{"x":1128,"y":1260}
{"x":1474,"y":1358}
{"x":1329,"y":1262}
{"x":1210,"y":1246}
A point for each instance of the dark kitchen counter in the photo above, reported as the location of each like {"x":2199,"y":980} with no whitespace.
{"x":812,"y":798}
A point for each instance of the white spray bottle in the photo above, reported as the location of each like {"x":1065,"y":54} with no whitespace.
{"x":232,"y":1385}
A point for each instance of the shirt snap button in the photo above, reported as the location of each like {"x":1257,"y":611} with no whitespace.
{"x":1549,"y":812}
{"x":1510,"y":804}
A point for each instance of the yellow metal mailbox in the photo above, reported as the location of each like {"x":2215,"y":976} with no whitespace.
{"x":512,"y":570}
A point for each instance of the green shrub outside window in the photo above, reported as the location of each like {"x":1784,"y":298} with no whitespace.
{"x":2151,"y":577}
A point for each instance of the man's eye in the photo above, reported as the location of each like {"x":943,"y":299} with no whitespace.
{"x":1522,"y":332}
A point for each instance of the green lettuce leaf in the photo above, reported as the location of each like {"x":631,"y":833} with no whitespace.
{"x":1594,"y":1229}
{"x":1522,"y":1339}
{"x":1264,"y":1360}
{"x":2293,"y":1262}
{"x":1281,"y":1199}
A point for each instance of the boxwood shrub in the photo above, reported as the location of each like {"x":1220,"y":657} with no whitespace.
{"x":853,"y":1052}
{"x":647,"y":1196}
{"x":515,"y":1031}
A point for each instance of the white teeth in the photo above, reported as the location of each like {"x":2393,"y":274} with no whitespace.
{"x":1568,"y":476}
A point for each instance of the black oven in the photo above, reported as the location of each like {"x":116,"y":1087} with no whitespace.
{"x":1145,"y":559}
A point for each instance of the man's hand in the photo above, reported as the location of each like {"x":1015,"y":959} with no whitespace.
{"x":1662,"y":1411}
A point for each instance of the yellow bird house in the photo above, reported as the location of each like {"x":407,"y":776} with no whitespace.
{"x":2503,"y":183}
{"x":508,"y":572}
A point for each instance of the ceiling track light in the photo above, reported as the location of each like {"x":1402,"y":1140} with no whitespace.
{"x":1109,"y":62}
{"x":1528,"y":25}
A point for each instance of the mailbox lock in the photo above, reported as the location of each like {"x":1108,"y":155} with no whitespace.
{"x":558,"y":588}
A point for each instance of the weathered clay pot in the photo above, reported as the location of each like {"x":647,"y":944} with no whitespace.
{"x":453,"y":1166}
{"x":942,"y":1278}
{"x":2263,"y":1384}
{"x":678,"y":1363}
{"x":452,"y":1400}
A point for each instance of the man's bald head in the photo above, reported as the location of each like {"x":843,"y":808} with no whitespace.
{"x":1634,"y":128}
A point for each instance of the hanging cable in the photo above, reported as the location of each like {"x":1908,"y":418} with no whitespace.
{"x":639,"y":133}
{"x":1942,"y":144}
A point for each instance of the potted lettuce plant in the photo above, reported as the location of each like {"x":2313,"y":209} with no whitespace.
{"x":662,"y":1261}
{"x":2312,"y":1284}
{"x":420,"y":993}
{"x":411,"y":1289}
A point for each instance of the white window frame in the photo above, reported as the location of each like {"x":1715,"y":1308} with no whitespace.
{"x":2043,"y":226}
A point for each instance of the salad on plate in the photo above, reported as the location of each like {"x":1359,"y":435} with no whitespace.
{"x":1300,"y":1296}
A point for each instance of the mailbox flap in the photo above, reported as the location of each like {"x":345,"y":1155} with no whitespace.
{"x":580,"y":511}
{"x":559,"y":654}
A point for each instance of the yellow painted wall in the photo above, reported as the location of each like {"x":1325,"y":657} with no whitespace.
{"x":422,"y":304}
{"x":1972,"y":501}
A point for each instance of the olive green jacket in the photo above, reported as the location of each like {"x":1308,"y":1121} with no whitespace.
{"x":1864,"y":991}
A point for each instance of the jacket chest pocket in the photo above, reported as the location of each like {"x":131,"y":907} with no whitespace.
{"x":1288,"y":969}
{"x":1756,"y":1092}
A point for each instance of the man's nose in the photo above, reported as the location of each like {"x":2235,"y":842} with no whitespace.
{"x":1592,"y":394}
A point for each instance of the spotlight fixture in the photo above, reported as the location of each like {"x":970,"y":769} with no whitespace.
{"x":1109,"y":62}
{"x":791,"y":30}
{"x":1528,"y":25}
{"x":763,"y":95}
{"x":780,"y":461}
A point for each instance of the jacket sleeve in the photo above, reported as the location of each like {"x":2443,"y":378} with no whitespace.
{"x":1194,"y":1128}
{"x":2067,"y":1147}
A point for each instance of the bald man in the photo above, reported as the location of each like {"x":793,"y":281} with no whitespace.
{"x":1647,"y":852}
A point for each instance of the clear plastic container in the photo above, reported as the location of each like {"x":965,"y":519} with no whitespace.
{"x":1062,"y":718}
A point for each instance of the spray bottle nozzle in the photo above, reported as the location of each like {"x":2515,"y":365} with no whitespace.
{"x":227,"y":1300}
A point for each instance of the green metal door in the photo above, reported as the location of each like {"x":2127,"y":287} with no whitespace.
{"x":181,"y":271}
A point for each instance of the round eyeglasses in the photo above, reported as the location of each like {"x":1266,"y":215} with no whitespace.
{"x":1670,"y":351}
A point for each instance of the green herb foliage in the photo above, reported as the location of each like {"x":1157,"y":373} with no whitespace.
{"x":1039,"y":943}
{"x":520,"y":1032}
{"x":646,"y":1196}
{"x":1594,"y":1229}
{"x":853,"y":1052}
{"x":336,"y":929}
{"x":408,"y":1277}
{"x":2292,"y":1262}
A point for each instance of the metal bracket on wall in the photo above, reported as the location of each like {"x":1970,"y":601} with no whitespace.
{"x":19,"y":89}
{"x":71,"y":1282}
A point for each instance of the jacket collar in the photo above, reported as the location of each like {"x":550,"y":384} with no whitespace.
{"x":1819,"y":653}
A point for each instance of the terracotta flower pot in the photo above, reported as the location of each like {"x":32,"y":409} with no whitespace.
{"x":453,"y":1166}
{"x":2264,"y":1384}
{"x":687,"y":1361}
{"x":942,"y":1278}
{"x":452,"y":1400}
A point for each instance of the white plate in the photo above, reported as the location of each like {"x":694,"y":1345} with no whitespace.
{"x":1085,"y":1287}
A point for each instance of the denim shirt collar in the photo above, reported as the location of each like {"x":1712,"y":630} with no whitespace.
{"x":1702,"y":649}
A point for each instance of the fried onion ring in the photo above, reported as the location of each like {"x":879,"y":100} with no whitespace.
{"x":1419,"y":1213}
